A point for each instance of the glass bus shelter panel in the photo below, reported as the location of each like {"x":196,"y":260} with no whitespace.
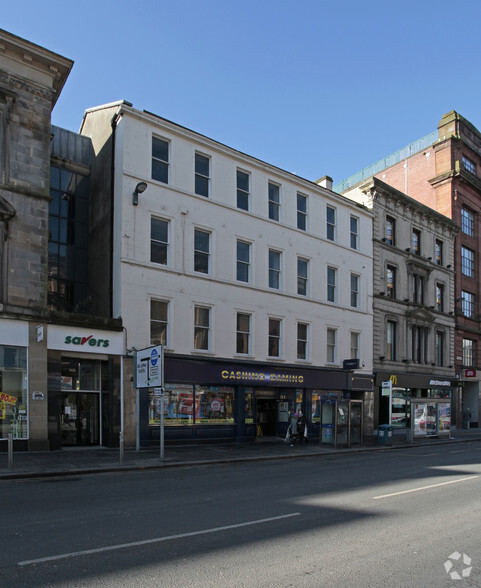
{"x":431,"y":418}
{"x":328,"y":424}
{"x":355,"y":431}
{"x":444,"y":418}
{"x":342,"y":424}
{"x":328,"y":414}
{"x":420,"y":419}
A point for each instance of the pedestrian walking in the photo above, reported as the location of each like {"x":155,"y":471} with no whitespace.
{"x":301,"y":427}
{"x":466,"y":418}
{"x":292,"y":430}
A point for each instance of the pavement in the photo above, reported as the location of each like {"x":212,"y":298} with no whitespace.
{"x":84,"y":461}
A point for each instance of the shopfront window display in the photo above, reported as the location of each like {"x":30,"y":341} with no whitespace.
{"x":249,"y":413}
{"x":189,"y":405}
{"x":13,"y":392}
{"x":316,"y":406}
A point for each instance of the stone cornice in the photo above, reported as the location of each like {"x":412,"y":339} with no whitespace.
{"x":19,"y":83}
{"x":42,"y":63}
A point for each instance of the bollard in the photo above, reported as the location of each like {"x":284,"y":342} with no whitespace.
{"x":10,"y":452}
{"x":121,"y":445}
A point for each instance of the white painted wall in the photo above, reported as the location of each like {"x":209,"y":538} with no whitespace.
{"x":139,"y":280}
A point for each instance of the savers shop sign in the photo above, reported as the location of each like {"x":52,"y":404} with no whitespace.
{"x":90,"y":341}
{"x":84,"y":340}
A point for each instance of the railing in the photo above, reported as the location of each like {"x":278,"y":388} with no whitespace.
{"x":387,"y":161}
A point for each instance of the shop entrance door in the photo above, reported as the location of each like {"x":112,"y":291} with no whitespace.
{"x":79,"y":424}
{"x":266,"y":417}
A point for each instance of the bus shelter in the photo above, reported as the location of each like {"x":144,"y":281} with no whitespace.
{"x":341,"y":422}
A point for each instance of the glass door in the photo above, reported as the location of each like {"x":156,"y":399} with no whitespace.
{"x":431,"y":418}
{"x":342,"y":422}
{"x":79,"y":423}
{"x":355,"y":423}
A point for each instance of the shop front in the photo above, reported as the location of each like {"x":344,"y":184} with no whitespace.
{"x":84,"y":367}
{"x":14,"y":395}
{"x":422,"y":405}
{"x":224,"y":400}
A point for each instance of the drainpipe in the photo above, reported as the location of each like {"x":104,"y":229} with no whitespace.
{"x":113,"y":123}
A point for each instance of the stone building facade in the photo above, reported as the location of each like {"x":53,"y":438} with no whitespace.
{"x":442,"y":171}
{"x":31,"y":79}
{"x":46,"y":350}
{"x":413,"y":298}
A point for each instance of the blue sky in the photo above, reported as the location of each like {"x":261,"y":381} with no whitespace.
{"x":314,"y":87}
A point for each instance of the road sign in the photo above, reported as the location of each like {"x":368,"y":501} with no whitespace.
{"x":386,"y":388}
{"x":148,"y":367}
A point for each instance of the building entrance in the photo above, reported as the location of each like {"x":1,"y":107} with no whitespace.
{"x":79,"y":422}
{"x":265,"y":417}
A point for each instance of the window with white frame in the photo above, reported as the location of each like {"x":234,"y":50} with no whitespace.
{"x":302,"y":340}
{"x":274,"y":349}
{"x":274,"y":269}
{"x":201,"y":251}
{"x":243,"y":261}
{"x":354,"y":291}
{"x":469,"y":352}
{"x":391,"y":273}
{"x":440,"y":297}
{"x":419,"y":341}
{"x":355,"y":345}
{"x":440,"y":338}
{"x":331,"y":284}
{"x":416,"y":242}
{"x":159,"y":322}
{"x":274,"y":201}
{"x":243,"y":333}
{"x":467,"y":262}
{"x":354,"y":232}
{"x":302,"y":276}
{"x":418,"y":288}
{"x":330,"y":223}
{"x":301,"y":212}
{"x":390,"y":231}
{"x":331,"y":345}
{"x":467,"y":304}
{"x":469,"y":165}
{"x":467,"y":222}
{"x":201,"y":328}
{"x":391,"y":340}
{"x":243,"y":181}
{"x":160,"y":160}
{"x":202,"y":175}
{"x":159,"y":241}
{"x":438,"y":252}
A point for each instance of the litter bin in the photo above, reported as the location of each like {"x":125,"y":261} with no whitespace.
{"x":384,"y":435}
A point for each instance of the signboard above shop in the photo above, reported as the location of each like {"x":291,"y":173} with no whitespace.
{"x":82,"y":340}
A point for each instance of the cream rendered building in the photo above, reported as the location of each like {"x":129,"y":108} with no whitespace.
{"x":256,"y":282}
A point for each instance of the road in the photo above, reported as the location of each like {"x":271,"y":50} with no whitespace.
{"x":381,"y":518}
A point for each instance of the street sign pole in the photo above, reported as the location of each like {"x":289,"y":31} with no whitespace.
{"x":148,"y":374}
{"x":137,"y":419}
{"x":162,"y":425}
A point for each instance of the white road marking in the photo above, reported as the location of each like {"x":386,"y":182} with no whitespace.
{"x":425,"y":487}
{"x":156,"y":540}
